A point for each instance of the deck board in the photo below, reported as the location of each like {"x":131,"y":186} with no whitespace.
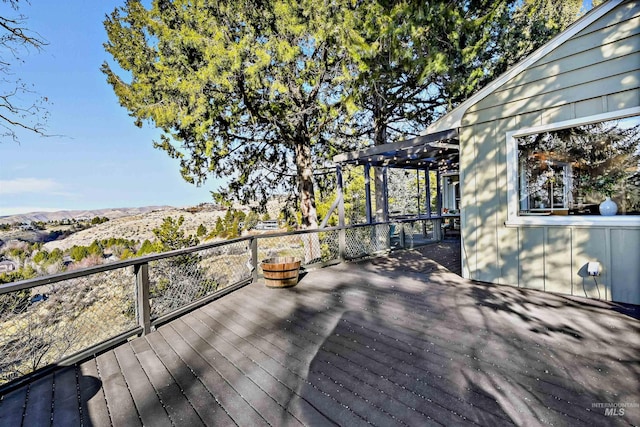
{"x":151,"y":408}
{"x":203,"y":402}
{"x":122,"y":408}
{"x":303,"y":332}
{"x":12,"y":407}
{"x":66,"y":401}
{"x":180,"y":410}
{"x":93,"y":404}
{"x":396,"y":340}
{"x":205,"y":368}
{"x":261,"y":401}
{"x":240,"y":356}
{"x":273,"y":361}
{"x":39,"y":402}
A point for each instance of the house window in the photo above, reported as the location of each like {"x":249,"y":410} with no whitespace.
{"x":571,"y":170}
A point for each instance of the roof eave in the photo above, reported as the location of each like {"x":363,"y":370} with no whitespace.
{"x":453,"y":119}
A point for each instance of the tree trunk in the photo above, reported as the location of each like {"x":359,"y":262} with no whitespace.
{"x":305,"y":179}
{"x":380,"y":137}
{"x":304,"y":168}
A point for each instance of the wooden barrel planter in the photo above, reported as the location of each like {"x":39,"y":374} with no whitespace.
{"x":281,"y":272}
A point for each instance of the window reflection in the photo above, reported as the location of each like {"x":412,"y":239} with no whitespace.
{"x":573,"y":170}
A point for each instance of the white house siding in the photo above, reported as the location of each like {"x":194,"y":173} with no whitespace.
{"x":596,"y":71}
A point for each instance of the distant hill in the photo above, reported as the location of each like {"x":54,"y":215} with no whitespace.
{"x":112,"y":213}
{"x":139,"y":227}
{"x":127,"y":223}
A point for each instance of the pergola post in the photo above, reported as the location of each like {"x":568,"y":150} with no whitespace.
{"x":437,"y":224}
{"x":340,"y":195}
{"x":367,"y":189}
{"x":342,"y":233}
{"x":418,"y":191}
{"x":438,"y":194}
{"x":427,"y":180}
{"x":385,"y":191}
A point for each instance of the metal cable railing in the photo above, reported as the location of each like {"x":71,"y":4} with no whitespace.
{"x":64,"y":318}
{"x":44,"y":324}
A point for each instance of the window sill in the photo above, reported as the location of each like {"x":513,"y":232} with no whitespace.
{"x":575,"y":220}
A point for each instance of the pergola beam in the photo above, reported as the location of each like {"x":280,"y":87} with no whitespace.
{"x":406,"y":163}
{"x":406,"y":148}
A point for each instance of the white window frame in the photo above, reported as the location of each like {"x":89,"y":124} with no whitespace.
{"x":566,"y":185}
{"x":513,"y":217}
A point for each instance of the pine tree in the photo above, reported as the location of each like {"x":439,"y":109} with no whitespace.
{"x":146,"y":248}
{"x":251,"y":220}
{"x":228,"y":219}
{"x":171,"y":236}
{"x":242,"y":90}
{"x":219,"y":227}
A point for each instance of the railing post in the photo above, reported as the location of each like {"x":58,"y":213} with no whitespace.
{"x":401,"y":235}
{"x":254,"y":259}
{"x":143,"y":307}
{"x":342,"y":244}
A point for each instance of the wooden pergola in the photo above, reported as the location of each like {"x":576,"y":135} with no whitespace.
{"x":437,"y":152}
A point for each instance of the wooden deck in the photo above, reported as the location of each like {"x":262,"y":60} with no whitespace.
{"x":398,"y":340}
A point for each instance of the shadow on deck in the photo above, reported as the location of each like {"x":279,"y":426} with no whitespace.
{"x":390,"y":341}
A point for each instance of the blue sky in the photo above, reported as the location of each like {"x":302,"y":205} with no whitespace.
{"x":101,"y":159}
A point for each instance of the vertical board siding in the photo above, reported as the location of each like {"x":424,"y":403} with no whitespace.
{"x":506,"y":239}
{"x":532,"y":258}
{"x":558,"y":277}
{"x":487,"y":203}
{"x":625,"y":243}
{"x":508,"y":252}
{"x":469,"y":211}
{"x":589,"y":244}
{"x":594,"y":72}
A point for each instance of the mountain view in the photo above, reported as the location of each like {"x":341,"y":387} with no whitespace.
{"x":78,"y":215}
{"x":38,"y":243}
